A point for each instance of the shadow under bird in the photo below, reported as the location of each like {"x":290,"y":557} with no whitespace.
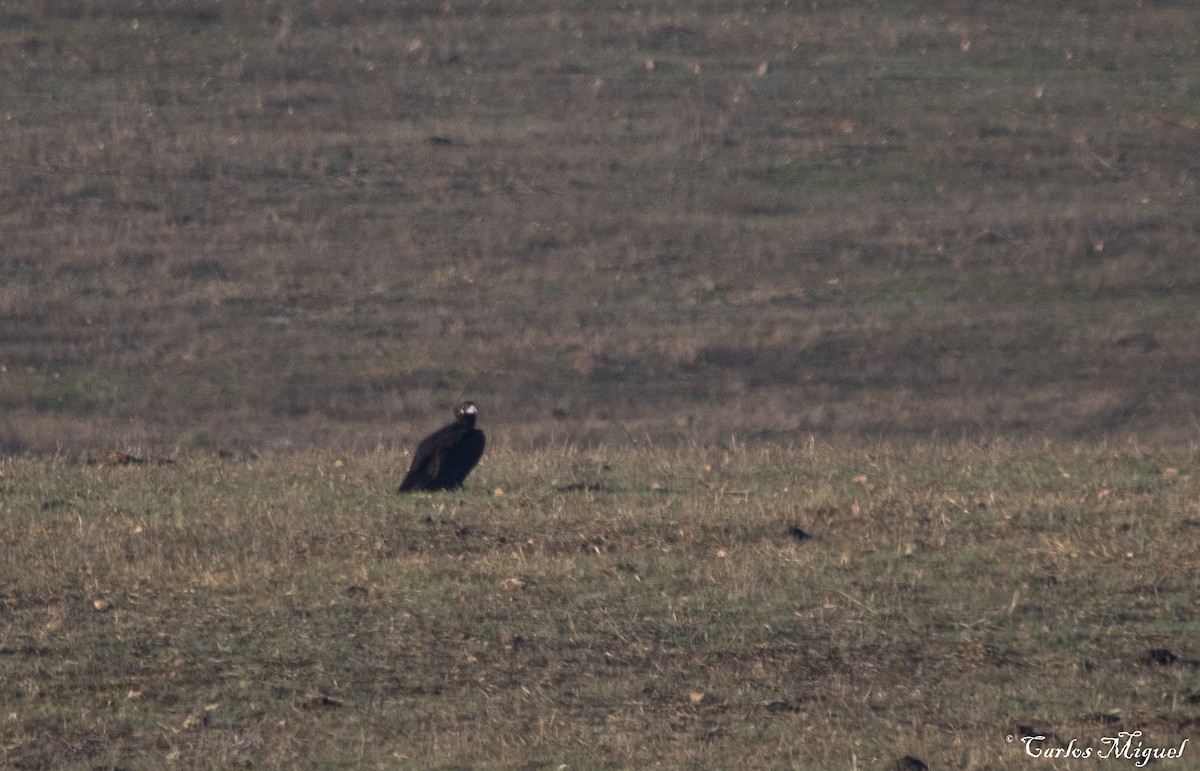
{"x":444,"y":458}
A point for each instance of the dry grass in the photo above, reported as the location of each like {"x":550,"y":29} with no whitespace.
{"x":692,"y":262}
{"x":328,"y":222}
{"x":612,"y":608}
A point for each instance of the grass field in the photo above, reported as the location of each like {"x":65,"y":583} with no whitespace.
{"x":918,"y":280}
{"x":622,"y":608}
{"x":325,"y":223}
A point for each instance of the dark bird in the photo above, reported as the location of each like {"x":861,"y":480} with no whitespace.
{"x":444,"y":458}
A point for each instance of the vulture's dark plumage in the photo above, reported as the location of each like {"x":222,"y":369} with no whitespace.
{"x":444,"y":458}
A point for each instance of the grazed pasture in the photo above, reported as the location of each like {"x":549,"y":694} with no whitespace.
{"x":620,"y":608}
{"x":838,"y":362}
{"x":325,"y":223}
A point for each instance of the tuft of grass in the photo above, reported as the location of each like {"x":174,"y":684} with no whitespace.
{"x":615,"y":607}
